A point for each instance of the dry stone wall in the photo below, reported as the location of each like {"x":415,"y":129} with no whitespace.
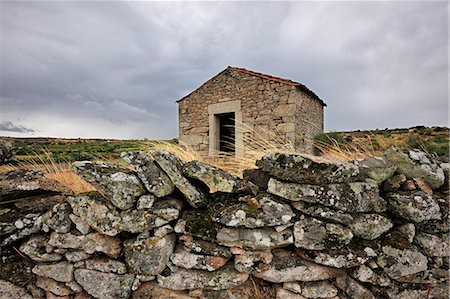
{"x":297,"y":226}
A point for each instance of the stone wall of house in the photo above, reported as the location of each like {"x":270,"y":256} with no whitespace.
{"x":297,"y":226}
{"x":270,"y":110}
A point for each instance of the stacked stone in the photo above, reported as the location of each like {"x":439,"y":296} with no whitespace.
{"x":298,"y":226}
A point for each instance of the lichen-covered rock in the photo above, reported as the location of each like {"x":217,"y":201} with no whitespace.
{"x":153,"y":290}
{"x":351,"y":197}
{"x":307,"y":169}
{"x":433,"y":245}
{"x":314,"y":234}
{"x":204,"y":247}
{"x":213,"y":177}
{"x":76,"y":256}
{"x":282,"y":293}
{"x":365,"y":274}
{"x":257,"y":176}
{"x":394,"y":183}
{"x":163,"y":230}
{"x":106,"y":265}
{"x":253,"y":261}
{"x":314,"y":289}
{"x":397,"y":263}
{"x":415,"y":206}
{"x":353,"y":289}
{"x":375,"y":168}
{"x":26,"y":226}
{"x":149,"y":255}
{"x":58,"y":219}
{"x":257,"y":212}
{"x":370,"y":226}
{"x":184,"y":279}
{"x":254,"y":239}
{"x":62,"y":271}
{"x":172,"y":166}
{"x":93,"y":242}
{"x":197,"y":223}
{"x":323,"y":212}
{"x":53,"y":286}
{"x":6,"y":152}
{"x":155,"y":180}
{"x":35,"y":249}
{"x":9,"y":290}
{"x":287,"y":267}
{"x":81,"y":225}
{"x":408,"y":230}
{"x":145,"y":201}
{"x":105,"y":285}
{"x":344,"y":257}
{"x":190,"y":260}
{"x":432,"y":173}
{"x":120,"y":185}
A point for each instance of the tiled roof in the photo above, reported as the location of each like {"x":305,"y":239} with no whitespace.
{"x":267,"y":77}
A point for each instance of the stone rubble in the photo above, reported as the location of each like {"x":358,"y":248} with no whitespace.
{"x":298,"y":226}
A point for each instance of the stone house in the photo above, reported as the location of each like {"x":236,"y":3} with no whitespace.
{"x":238,"y":104}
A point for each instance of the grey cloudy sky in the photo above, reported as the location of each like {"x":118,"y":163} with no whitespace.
{"x":115,"y":69}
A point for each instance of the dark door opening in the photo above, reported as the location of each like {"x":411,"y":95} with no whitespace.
{"x":227,"y":132}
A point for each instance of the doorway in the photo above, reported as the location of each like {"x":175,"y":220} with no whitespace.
{"x":227,"y":132}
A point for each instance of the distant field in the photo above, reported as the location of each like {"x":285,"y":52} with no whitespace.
{"x":434,"y":140}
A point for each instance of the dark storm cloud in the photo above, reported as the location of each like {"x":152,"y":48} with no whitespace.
{"x":10,"y":127}
{"x":115,"y":69}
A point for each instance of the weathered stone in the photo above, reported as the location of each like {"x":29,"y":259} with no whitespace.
{"x":306,"y":169}
{"x":213,"y":177}
{"x":253,"y":261}
{"x":120,"y":185}
{"x":106,"y":265}
{"x":172,"y":166}
{"x":351,"y":197}
{"x":205,"y":247}
{"x":58,"y":219}
{"x":197,"y":223}
{"x":30,"y":224}
{"x":163,"y":230}
{"x":370,"y":226}
{"x":150,"y":255}
{"x":365,"y":274}
{"x":394,"y":183}
{"x":344,"y":258}
{"x":423,"y":185}
{"x":145,"y":201}
{"x":184,"y":279}
{"x":433,"y":175}
{"x":260,"y":212}
{"x":254,"y":239}
{"x":319,"y":289}
{"x":353,"y":289}
{"x":76,"y":256}
{"x":6,"y":152}
{"x":397,"y":263}
{"x":62,"y":271}
{"x":104,"y":285}
{"x":314,"y":234}
{"x":433,"y":245}
{"x":408,"y":230}
{"x":196,"y":261}
{"x":285,"y":294}
{"x":287,"y":267}
{"x":35,"y":249}
{"x":244,"y":291}
{"x":257,"y":176}
{"x":153,"y":290}
{"x":375,"y":168}
{"x":93,"y":242}
{"x":9,"y":290}
{"x":326,"y":213}
{"x":81,"y":225}
{"x":415,"y":206}
{"x":155,"y":180}
{"x":50,"y":285}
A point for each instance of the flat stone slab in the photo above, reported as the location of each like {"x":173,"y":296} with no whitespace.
{"x":152,"y":176}
{"x":416,"y":206}
{"x":120,"y":185}
{"x":190,"y":260}
{"x":308,"y":169}
{"x":62,"y":271}
{"x":370,"y":226}
{"x":9,"y":290}
{"x":397,"y":262}
{"x":172,"y":166}
{"x":105,"y":285}
{"x":184,"y":279}
{"x":323,"y":212}
{"x":149,"y":255}
{"x":313,"y":234}
{"x":348,"y":197}
{"x":254,"y":239}
{"x":213,"y":177}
